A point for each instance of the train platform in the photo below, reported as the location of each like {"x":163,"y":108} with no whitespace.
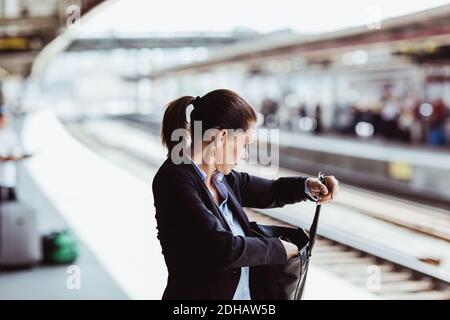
{"x":53,"y":282}
{"x":115,"y":225}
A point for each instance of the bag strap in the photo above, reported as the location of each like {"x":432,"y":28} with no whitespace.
{"x":313,"y":228}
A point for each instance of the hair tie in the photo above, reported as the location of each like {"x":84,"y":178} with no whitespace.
{"x":195,"y":101}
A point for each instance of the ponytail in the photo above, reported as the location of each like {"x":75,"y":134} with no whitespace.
{"x":175,"y":118}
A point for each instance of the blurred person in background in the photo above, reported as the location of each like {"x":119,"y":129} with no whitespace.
{"x":318,"y":118}
{"x":437,"y":120}
{"x":418,"y":125}
{"x":405,"y":120}
{"x":390,"y":113}
{"x":269,"y":109}
{"x":356,"y":116}
{"x":296,"y":114}
{"x":342,"y":119}
{"x":9,"y":154}
{"x":374,"y":116}
{"x":302,"y":111}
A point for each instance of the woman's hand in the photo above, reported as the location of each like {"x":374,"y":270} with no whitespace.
{"x":291,"y":249}
{"x":324,"y":192}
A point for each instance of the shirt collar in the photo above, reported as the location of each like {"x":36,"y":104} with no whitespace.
{"x":217,"y":176}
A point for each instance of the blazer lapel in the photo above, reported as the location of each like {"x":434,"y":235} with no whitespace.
{"x":210,"y":202}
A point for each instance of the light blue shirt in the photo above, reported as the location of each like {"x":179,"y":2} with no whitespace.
{"x":243,"y":288}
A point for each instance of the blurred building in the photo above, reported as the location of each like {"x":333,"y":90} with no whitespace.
{"x":376,"y":77}
{"x":26,"y":26}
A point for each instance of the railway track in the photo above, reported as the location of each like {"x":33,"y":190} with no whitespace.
{"x":388,"y":274}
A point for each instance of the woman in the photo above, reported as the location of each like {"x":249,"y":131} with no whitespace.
{"x":204,"y":233}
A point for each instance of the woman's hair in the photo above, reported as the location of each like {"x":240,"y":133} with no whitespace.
{"x":219,"y":109}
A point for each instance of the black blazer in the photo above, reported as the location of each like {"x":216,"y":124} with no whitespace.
{"x":202,"y":255}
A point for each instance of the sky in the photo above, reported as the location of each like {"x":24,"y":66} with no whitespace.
{"x":136,"y":16}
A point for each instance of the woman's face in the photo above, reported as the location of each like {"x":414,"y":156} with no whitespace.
{"x":232,"y":147}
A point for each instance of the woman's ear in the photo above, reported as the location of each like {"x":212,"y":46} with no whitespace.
{"x":221,"y":137}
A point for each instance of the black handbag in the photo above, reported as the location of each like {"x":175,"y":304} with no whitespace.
{"x":285,"y":282}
